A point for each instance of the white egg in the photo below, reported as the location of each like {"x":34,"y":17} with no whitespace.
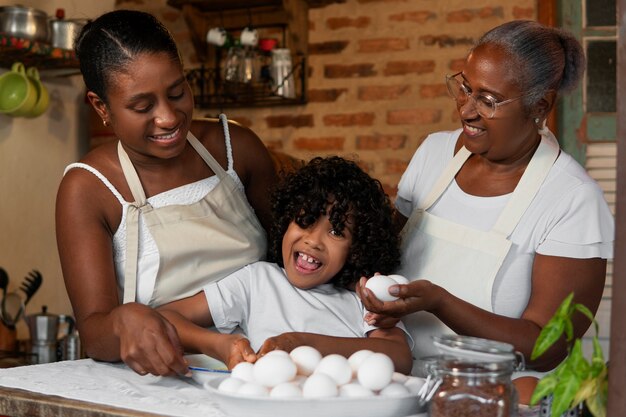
{"x":355,"y":390}
{"x":306,"y":359}
{"x":319,"y":386}
{"x":271,"y":370}
{"x":357,"y":358}
{"x":375,"y":371}
{"x":253,"y":389}
{"x":414,"y":384}
{"x":336,"y":367}
{"x":400,"y":378}
{"x":286,"y":390}
{"x":394,"y":389}
{"x":399,"y":279}
{"x":278,"y":353}
{"x":230,"y":385}
{"x":379,"y":285}
{"x":243,"y":371}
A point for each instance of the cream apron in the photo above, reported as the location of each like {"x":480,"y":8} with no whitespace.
{"x":197,"y":243}
{"x":463,"y":260}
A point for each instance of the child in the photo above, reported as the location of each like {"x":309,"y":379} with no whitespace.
{"x":332,"y":225}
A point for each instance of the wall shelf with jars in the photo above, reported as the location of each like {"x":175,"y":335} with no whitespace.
{"x":266,"y":84}
{"x":35,"y":54}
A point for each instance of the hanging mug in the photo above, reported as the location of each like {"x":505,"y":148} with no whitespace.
{"x":216,"y":36}
{"x":43,"y":98}
{"x":249,"y":37}
{"x":18,"y":93}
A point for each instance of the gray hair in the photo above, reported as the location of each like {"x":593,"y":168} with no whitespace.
{"x":545,"y":58}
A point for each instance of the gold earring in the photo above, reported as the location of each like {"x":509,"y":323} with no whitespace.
{"x":536,"y":120}
{"x":105,"y":123}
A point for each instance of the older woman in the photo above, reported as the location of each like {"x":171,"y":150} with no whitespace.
{"x":500,"y":224}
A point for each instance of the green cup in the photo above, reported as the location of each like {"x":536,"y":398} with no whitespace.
{"x":17,"y":93}
{"x":43,"y":98}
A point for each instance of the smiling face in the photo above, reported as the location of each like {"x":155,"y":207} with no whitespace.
{"x":314,"y":255}
{"x":512,"y":131}
{"x":150,"y":106}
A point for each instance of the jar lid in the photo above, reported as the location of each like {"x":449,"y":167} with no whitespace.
{"x":475,"y":349}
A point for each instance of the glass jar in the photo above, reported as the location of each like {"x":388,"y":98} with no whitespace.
{"x":472,"y":389}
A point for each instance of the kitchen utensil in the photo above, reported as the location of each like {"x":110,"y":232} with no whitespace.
{"x":64,"y":31}
{"x":17,"y":93}
{"x":43,"y":326}
{"x":43,"y":98}
{"x":4,"y":281}
{"x":282,"y":73}
{"x":12,"y":308}
{"x":24,"y":22}
{"x":216,"y":36}
{"x":31,"y":284}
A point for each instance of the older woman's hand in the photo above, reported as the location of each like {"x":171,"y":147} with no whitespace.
{"x":412,"y":297}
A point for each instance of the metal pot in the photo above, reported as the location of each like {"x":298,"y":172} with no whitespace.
{"x":63,"y":32}
{"x":24,"y":22}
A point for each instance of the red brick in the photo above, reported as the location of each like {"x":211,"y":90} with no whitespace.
{"x":275,"y":145}
{"x":379,"y":141}
{"x":457,"y":65}
{"x":349,"y":71}
{"x":467,"y":15}
{"x":383,"y":92}
{"x":325,"y":95}
{"x":354,"y":119}
{"x":334,"y":143}
{"x":395,"y":166}
{"x":409,"y":67}
{"x":327,"y":48}
{"x":523,"y":13}
{"x":413,"y":116}
{"x":285,"y":120}
{"x":383,"y":45}
{"x":433,"y":90}
{"x":445,"y":40}
{"x":421,"y":16}
{"x":335,"y":23}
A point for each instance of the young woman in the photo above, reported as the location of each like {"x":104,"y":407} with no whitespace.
{"x":151,"y":218}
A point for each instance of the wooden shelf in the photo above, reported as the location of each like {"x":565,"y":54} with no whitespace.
{"x":35,"y":54}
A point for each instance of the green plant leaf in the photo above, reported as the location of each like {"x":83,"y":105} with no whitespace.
{"x":544,"y":388}
{"x":565,"y":309}
{"x":597,"y":402}
{"x":577,"y":362}
{"x":564,"y":393}
{"x":597,"y":359}
{"x":551,"y":332}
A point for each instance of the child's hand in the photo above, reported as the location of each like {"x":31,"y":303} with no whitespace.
{"x":239,"y":350}
{"x":285,"y":341}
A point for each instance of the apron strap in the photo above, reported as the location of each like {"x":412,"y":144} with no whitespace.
{"x":208,"y":158}
{"x":446,"y":177}
{"x":525,"y":191}
{"x":132,"y":225}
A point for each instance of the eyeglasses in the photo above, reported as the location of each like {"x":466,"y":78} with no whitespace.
{"x":485,"y":104}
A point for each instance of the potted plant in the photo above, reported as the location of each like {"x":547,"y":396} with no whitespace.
{"x":576,"y":380}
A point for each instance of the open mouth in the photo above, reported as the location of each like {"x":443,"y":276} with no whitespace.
{"x":166,"y":137}
{"x":472,"y":131}
{"x":306,"y":262}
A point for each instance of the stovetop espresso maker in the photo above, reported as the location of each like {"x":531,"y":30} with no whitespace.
{"x":46,"y":330}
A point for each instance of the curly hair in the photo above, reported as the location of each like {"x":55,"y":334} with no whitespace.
{"x":305,"y":195}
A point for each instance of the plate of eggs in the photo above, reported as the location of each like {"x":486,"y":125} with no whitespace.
{"x":304,"y":383}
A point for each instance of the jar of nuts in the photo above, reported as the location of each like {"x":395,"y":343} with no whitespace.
{"x":473,"y":389}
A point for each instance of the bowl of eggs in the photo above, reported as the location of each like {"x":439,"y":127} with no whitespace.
{"x":304,"y":383}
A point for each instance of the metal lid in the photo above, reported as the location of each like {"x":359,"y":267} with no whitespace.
{"x":477,"y":349}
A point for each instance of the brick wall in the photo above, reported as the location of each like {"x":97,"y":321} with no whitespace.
{"x":376,"y":77}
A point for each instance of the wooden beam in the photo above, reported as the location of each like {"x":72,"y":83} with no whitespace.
{"x":617,"y":355}
{"x":547,"y":15}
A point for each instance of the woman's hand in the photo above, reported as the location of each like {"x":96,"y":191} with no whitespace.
{"x":412,"y":297}
{"x":149,"y":344}
{"x":285,"y":341}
